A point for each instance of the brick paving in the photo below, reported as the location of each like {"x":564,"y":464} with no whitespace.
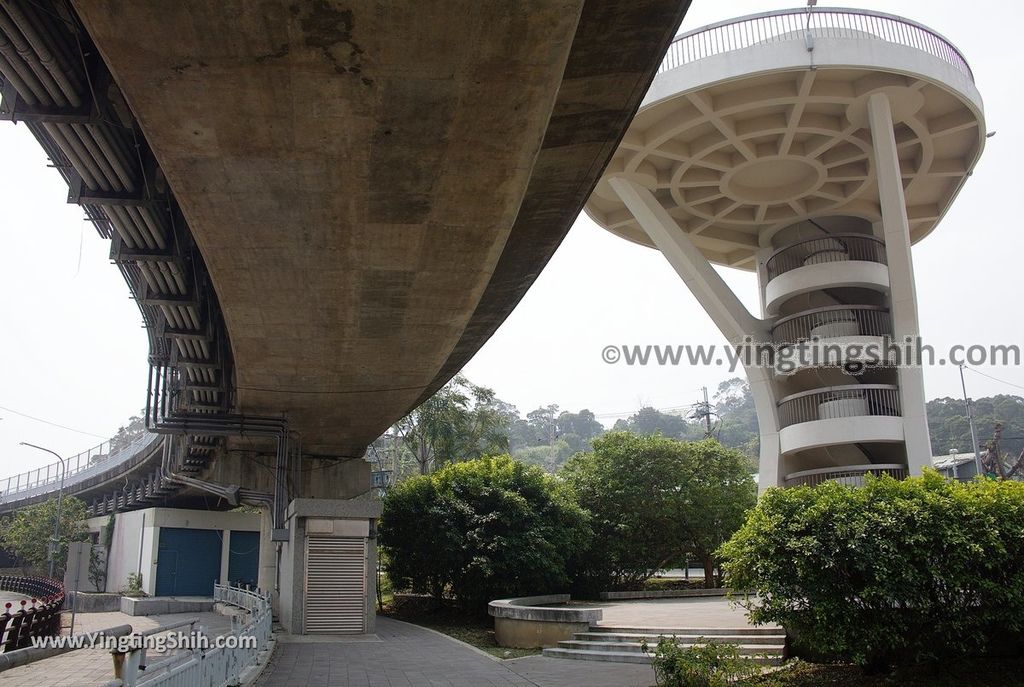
{"x":94,"y":667}
{"x":403,"y":655}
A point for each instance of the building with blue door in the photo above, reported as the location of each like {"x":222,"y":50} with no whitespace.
{"x":180,"y":552}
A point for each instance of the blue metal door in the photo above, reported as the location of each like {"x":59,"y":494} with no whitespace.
{"x":188,"y":562}
{"x":244,"y":558}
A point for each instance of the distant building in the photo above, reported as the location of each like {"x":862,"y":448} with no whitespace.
{"x":961,"y":466}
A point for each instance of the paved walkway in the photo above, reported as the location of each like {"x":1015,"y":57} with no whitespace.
{"x":93,"y":667}
{"x":403,"y":655}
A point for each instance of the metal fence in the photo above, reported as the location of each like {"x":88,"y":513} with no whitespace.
{"x":96,"y":459}
{"x":796,"y":24}
{"x":850,"y":475}
{"x":825,"y":249}
{"x":39,"y":615}
{"x":851,"y":400}
{"x":217,"y":667}
{"x":833,"y":321}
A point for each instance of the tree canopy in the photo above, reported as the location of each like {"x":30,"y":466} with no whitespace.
{"x":653,"y":499}
{"x":479,"y":530}
{"x":27,"y":532}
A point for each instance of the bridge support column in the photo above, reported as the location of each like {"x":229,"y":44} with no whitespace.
{"x":267,"y":576}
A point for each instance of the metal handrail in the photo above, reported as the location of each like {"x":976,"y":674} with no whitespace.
{"x":871,"y":320}
{"x":787,"y":25}
{"x":830,"y":248}
{"x":807,"y":406}
{"x":852,"y":475}
{"x":97,"y":457}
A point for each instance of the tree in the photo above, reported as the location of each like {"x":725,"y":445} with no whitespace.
{"x":651,"y":500}
{"x":889,"y":571}
{"x":481,"y":529}
{"x":28,"y":532}
{"x":649,"y":421}
{"x":459,"y":422}
{"x":716,"y":493}
{"x":947,"y":423}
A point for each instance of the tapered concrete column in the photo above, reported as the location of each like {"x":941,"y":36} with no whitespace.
{"x":728,"y":313}
{"x":902,"y":296}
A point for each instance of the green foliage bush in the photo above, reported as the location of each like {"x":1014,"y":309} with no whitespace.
{"x":27,"y":532}
{"x":703,"y":665}
{"x":480,"y":530}
{"x":894,"y":570}
{"x":654,"y":499}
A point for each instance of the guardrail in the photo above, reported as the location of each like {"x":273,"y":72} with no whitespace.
{"x":850,"y":475}
{"x":85,"y":464}
{"x":39,"y":615}
{"x":851,"y":400}
{"x":833,"y":321}
{"x":825,"y":249}
{"x":794,"y":25}
{"x":217,"y":667}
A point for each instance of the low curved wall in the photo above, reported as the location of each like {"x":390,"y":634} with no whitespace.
{"x":532,"y":622}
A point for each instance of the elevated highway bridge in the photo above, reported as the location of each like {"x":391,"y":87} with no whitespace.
{"x":323,"y":209}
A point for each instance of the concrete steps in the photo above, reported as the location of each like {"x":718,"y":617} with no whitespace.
{"x":623,"y":645}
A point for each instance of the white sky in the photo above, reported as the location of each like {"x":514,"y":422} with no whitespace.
{"x":73,"y":351}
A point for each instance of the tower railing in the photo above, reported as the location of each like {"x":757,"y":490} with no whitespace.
{"x":833,"y":321}
{"x":825,"y":249}
{"x":850,"y":475}
{"x":850,"y":400}
{"x":795,"y":24}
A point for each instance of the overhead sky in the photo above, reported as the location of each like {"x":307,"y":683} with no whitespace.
{"x":73,"y":351}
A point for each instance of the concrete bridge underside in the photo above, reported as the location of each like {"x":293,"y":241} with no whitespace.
{"x":374,"y":186}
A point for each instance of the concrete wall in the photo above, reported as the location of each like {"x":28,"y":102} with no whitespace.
{"x":138,"y":532}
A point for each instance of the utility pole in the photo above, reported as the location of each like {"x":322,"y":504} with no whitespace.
{"x":703,"y":410}
{"x":55,"y":542}
{"x":970,"y":421}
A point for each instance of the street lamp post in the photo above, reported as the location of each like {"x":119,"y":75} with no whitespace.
{"x":60,"y":494}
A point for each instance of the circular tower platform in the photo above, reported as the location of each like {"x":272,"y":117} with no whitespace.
{"x":746,"y":130}
{"x":814,"y":147}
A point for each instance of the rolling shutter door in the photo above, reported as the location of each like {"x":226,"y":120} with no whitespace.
{"x":335,"y":585}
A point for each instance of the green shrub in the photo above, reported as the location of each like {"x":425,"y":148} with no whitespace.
{"x":480,"y":530}
{"x":703,"y":665}
{"x":892,"y":571}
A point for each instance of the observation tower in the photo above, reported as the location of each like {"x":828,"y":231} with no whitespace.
{"x":813,"y":146}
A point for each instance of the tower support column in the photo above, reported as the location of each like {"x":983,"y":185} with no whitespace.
{"x":903,"y":299}
{"x":728,"y":313}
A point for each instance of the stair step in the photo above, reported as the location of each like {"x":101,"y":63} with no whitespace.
{"x":779,"y":638}
{"x":627,"y":657}
{"x":636,"y":648}
{"x":690,"y":631}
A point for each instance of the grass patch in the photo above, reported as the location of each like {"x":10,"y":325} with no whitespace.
{"x":978,"y":672}
{"x":472,"y":630}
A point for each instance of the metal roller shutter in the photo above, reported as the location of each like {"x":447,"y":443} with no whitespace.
{"x":335,"y":585}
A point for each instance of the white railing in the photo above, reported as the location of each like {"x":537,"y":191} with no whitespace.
{"x":850,"y":475}
{"x":833,"y":321}
{"x":789,"y":25}
{"x":824,"y":249}
{"x":86,"y":464}
{"x":850,"y":400}
{"x":218,"y":667}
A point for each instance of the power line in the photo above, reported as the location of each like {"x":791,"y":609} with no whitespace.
{"x":1018,"y":386}
{"x":53,"y":424}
